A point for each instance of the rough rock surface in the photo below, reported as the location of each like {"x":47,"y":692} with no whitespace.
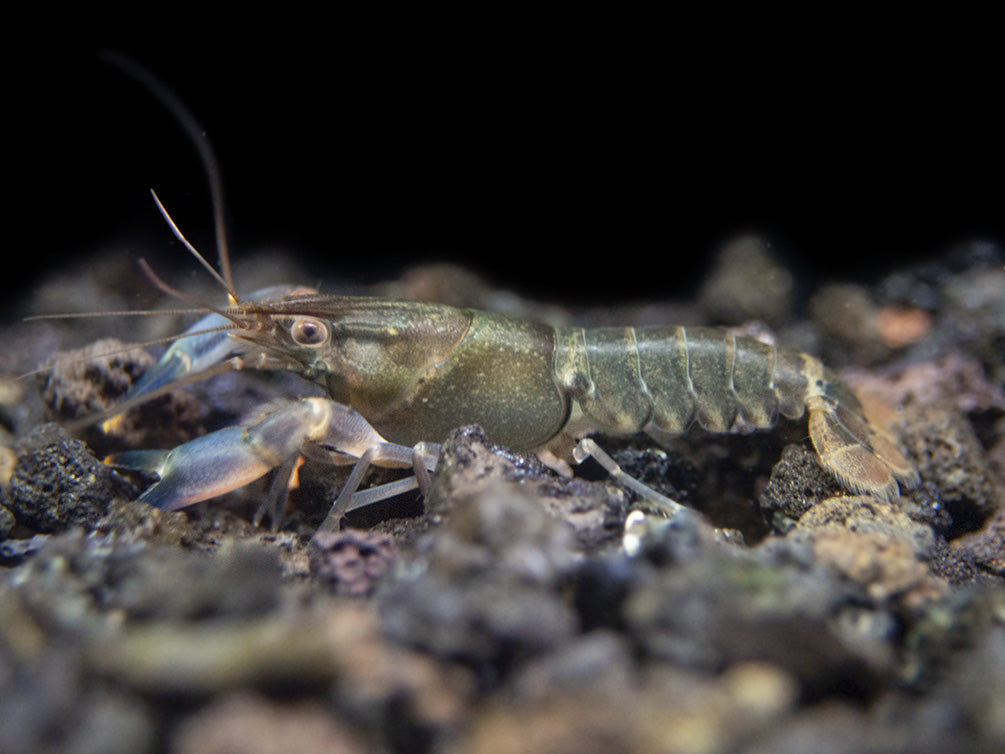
{"x":516,"y":609}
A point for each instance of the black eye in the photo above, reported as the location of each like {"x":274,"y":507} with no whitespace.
{"x":308,"y":331}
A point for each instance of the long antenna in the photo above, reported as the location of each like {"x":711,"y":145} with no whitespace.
{"x":198,"y":136}
{"x":195,"y":252}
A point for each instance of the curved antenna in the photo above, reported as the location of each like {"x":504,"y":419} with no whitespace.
{"x":195,"y":252}
{"x":198,"y":136}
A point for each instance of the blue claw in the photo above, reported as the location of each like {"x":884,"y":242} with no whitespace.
{"x":230,"y":458}
{"x":194,"y":353}
{"x":198,"y":470}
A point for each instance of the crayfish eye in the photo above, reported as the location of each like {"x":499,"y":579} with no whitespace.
{"x":308,"y":331}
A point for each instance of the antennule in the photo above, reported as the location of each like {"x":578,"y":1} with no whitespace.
{"x":202,"y":260}
{"x":172,"y":291}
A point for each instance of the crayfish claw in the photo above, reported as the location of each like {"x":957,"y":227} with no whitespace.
{"x":198,"y":470}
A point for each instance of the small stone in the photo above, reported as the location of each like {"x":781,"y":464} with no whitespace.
{"x":351,"y":561}
{"x":58,"y":483}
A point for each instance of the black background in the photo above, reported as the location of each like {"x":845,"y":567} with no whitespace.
{"x":583,"y":152}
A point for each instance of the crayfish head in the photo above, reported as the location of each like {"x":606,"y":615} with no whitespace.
{"x":379,"y":351}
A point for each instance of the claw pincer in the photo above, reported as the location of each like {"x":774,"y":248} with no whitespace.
{"x":204,"y":345}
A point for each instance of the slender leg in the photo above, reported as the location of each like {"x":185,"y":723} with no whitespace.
{"x":423,"y":457}
{"x":424,"y":454}
{"x":274,"y":502}
{"x":587,"y":448}
{"x":341,"y":504}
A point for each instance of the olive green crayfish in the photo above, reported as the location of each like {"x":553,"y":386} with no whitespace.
{"x":399,"y":375}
